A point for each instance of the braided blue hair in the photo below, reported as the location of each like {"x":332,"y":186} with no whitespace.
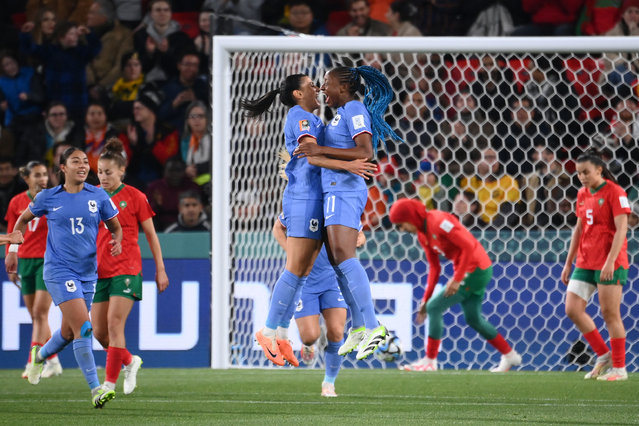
{"x":377,"y":96}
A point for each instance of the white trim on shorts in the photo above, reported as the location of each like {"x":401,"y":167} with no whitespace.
{"x":582,"y":289}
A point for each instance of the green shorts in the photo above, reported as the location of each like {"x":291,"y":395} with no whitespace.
{"x":591,"y":276}
{"x":30,"y":272}
{"x":129,"y":286}
{"x":476,"y":281}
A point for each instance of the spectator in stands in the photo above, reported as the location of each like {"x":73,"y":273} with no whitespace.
{"x":97,"y":130}
{"x":163,"y":194}
{"x":522,"y":134}
{"x":104,"y":69}
{"x":254,"y":10}
{"x":361,"y":23}
{"x":21,"y":94}
{"x":149,"y":143}
{"x":37,"y":140}
{"x":441,"y":18}
{"x":467,"y":209}
{"x":550,"y":17}
{"x":191,"y":215}
{"x":597,"y":17}
{"x":65,"y":62}
{"x":431,"y":193}
{"x":160,"y":42}
{"x":496,"y":191}
{"x":202,"y":41}
{"x":128,"y":12}
{"x":180,"y":91}
{"x":623,"y":67}
{"x":64,"y":10}
{"x":466,"y":111}
{"x":492,"y":87}
{"x":43,"y":26}
{"x":125,"y":90}
{"x":10,"y":186}
{"x":417,"y":123}
{"x":53,"y":165}
{"x":301,"y":18}
{"x":195,"y":146}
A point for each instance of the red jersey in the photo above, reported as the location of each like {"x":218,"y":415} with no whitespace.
{"x":597,"y":211}
{"x":35,"y":236}
{"x":134,"y":209}
{"x":445,"y":235}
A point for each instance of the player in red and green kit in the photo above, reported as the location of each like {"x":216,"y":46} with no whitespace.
{"x":438,"y":233}
{"x":31,"y":254}
{"x":120,"y":280}
{"x":600,"y":245}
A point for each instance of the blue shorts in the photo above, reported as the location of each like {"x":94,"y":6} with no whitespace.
{"x":344,"y":208}
{"x":303,"y":218}
{"x":62,"y":290}
{"x":313,"y":303}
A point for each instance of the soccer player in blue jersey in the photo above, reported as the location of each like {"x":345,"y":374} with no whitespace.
{"x":302,"y":205}
{"x":74,"y":210}
{"x":353,"y":133}
{"x":320,"y":294}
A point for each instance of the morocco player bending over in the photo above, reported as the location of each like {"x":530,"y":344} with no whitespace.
{"x":600,"y":244}
{"x":441,"y":233}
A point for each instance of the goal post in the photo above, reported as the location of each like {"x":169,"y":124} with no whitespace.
{"x":525,"y":298}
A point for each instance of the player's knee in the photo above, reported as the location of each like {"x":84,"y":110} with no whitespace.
{"x":86,"y":330}
{"x":610,"y":314}
{"x":40,"y":313}
{"x":433,"y":308}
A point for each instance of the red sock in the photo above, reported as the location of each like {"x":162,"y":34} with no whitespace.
{"x":618,"y":352}
{"x":126,"y":356}
{"x":432,"y":347}
{"x":500,"y":344}
{"x":32,"y":345}
{"x":596,"y":342}
{"x":113,"y":364}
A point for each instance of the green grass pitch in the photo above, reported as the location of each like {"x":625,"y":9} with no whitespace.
{"x":283,"y":397}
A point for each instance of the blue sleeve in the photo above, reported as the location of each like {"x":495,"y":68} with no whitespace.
{"x":39,"y":205}
{"x":303,"y":123}
{"x":358,"y":119}
{"x":107,"y":208}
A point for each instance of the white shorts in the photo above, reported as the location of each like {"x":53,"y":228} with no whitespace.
{"x":582,"y":289}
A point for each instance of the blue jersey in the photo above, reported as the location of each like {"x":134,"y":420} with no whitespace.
{"x":351,"y":120}
{"x":73,"y":221}
{"x":304,"y":180}
{"x":322,"y":276}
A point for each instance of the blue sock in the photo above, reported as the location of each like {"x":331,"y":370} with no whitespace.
{"x":55,"y":344}
{"x":333,"y":361}
{"x":290,"y":311}
{"x":84,"y":357}
{"x":360,"y":288}
{"x":357,"y":320}
{"x":283,"y":295}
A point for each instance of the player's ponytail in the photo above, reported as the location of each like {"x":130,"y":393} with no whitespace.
{"x":377,"y":96}
{"x":594,"y":156}
{"x":257,"y":107}
{"x":114,"y":150}
{"x":25,"y":171}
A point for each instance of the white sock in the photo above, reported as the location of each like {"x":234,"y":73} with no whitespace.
{"x":109,"y":385}
{"x":268,"y":332}
{"x":282,"y":333}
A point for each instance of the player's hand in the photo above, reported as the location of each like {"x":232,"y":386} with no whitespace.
{"x":116,"y":247}
{"x":307,"y":149}
{"x":565,"y":274}
{"x":607,"y":272}
{"x":162,"y":281}
{"x":362,"y":167}
{"x":15,"y":279}
{"x":421,"y":312}
{"x":11,"y":265}
{"x":15,"y":237}
{"x":451,"y":288}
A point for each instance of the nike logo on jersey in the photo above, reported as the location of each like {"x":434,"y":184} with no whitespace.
{"x":127,"y":291}
{"x":55,"y":209}
{"x":339,"y":299}
{"x":281,"y":303}
{"x":329,"y":216}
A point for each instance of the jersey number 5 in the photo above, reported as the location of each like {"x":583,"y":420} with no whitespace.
{"x":77,"y":227}
{"x":589,"y":218}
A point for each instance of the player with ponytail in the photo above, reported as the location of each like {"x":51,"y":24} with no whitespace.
{"x":354,"y":132}
{"x":120,"y":279}
{"x":599,"y":243}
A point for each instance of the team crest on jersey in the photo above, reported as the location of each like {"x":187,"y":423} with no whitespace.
{"x":313,"y":225}
{"x":336,"y":120}
{"x":122,"y":204}
{"x":70,"y":285}
{"x":300,"y":306}
{"x":127,"y":281}
{"x":600,"y":201}
{"x":304,"y":125}
{"x":93,"y":206}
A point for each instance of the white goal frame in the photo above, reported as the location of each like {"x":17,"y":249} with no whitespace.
{"x":223,"y":46}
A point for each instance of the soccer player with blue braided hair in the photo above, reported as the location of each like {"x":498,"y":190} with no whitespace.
{"x":74,"y":211}
{"x":354,"y":132}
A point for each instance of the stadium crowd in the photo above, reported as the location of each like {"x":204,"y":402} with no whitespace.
{"x":499,"y":137}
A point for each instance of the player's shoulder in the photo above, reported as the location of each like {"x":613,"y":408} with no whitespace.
{"x":614,"y":189}
{"x":92,"y":190}
{"x":441,"y":221}
{"x":354,"y":107}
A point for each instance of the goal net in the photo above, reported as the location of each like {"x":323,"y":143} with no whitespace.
{"x":491,"y":127}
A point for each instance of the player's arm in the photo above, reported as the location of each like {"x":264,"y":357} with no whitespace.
{"x":279,"y":233}
{"x":465,"y":243}
{"x":360,"y":167}
{"x":434,"y":269}
{"x":572,"y":250}
{"x":621,"y":229}
{"x":14,"y":237}
{"x":363,"y":149}
{"x":113,"y":225}
{"x":11,"y":259}
{"x":161,"y":279}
